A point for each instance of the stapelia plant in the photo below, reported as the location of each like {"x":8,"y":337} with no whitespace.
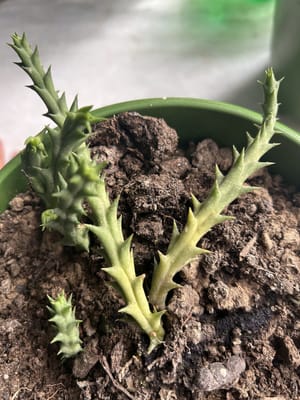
{"x":59,"y":168}
{"x":63,"y":317}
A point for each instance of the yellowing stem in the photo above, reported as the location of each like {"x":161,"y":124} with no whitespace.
{"x":119,"y":255}
{"x":183,"y":246}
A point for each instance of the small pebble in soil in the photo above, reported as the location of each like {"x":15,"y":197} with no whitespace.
{"x":218,"y":375}
{"x":17,"y":204}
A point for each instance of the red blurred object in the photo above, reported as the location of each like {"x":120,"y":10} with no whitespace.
{"x":2,"y":158}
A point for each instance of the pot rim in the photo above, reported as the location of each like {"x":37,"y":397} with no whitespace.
{"x":190,"y":102}
{"x":13,"y":167}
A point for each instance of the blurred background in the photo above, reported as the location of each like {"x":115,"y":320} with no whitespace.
{"x":109,"y":51}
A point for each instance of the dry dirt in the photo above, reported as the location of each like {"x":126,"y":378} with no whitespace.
{"x":232,"y":330}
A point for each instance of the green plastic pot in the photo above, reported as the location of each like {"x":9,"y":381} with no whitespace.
{"x":194,"y":119}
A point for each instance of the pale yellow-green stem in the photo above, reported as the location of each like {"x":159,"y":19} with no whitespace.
{"x":183,"y":246}
{"x":108,"y":229}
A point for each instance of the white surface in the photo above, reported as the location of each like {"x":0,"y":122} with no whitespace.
{"x":114,"y":50}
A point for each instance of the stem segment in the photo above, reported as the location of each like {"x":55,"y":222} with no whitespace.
{"x":119,"y":255}
{"x":183,"y":246}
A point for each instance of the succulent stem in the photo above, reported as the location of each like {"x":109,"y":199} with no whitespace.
{"x":183,"y":246}
{"x":63,"y":317}
{"x":42,"y":80}
{"x":57,"y":161}
{"x":119,"y":255}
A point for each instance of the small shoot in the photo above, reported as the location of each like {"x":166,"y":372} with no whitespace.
{"x":67,"y":326}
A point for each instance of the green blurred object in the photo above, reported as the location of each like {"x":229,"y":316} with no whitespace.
{"x":233,"y":10}
{"x":229,"y":22}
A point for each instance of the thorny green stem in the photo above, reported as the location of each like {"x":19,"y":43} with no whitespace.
{"x":57,"y":161}
{"x":118,"y":252}
{"x":183,"y":246}
{"x":63,"y":317}
{"x":42,"y":80}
